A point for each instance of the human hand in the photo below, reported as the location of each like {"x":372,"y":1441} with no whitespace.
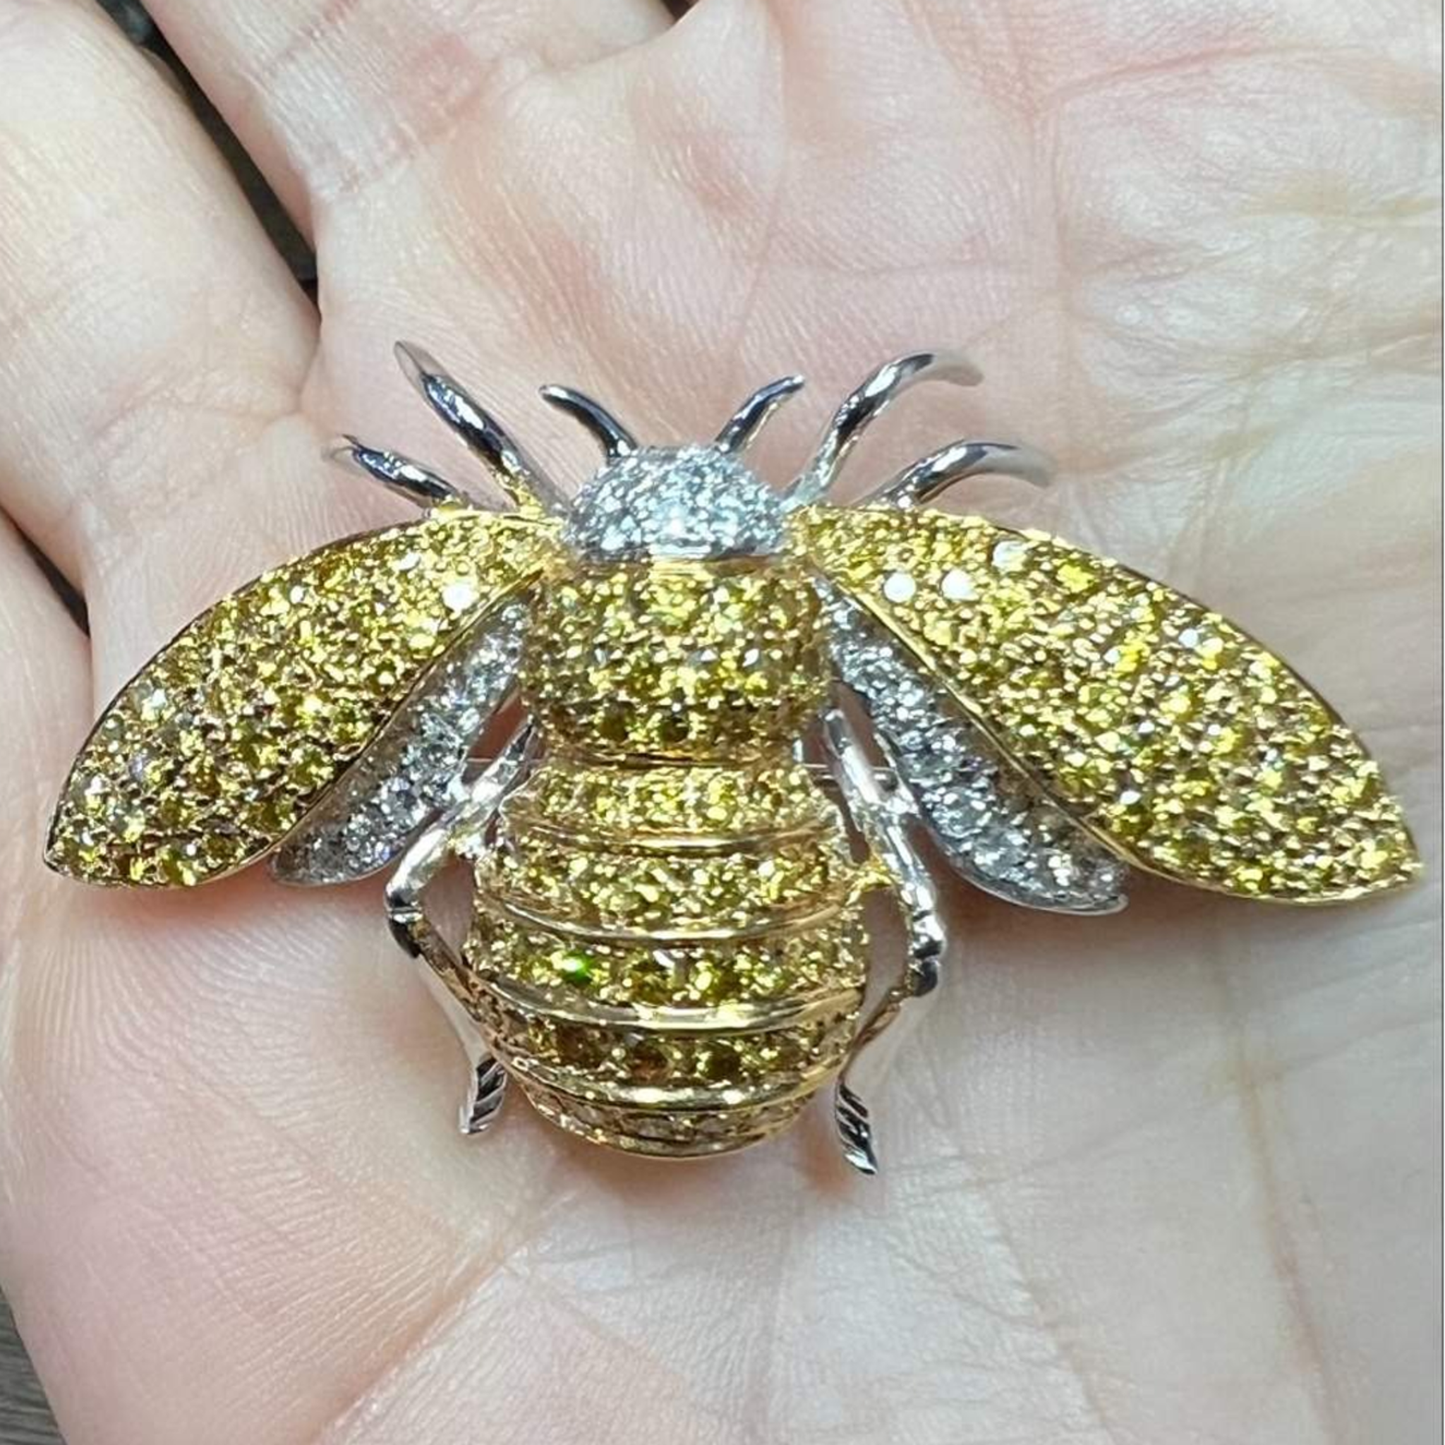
{"x":1157,"y":1177}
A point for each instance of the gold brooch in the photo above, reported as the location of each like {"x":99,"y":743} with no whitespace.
{"x":667,"y":949}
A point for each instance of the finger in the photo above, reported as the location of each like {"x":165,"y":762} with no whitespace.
{"x":47,"y":700}
{"x":327,"y":98}
{"x":148,"y":332}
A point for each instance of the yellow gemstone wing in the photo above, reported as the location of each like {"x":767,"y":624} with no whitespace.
{"x":230,"y":735}
{"x":1153,"y":722}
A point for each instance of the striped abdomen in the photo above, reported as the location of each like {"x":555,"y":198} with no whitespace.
{"x":669,"y":958}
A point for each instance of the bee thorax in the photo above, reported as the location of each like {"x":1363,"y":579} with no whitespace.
{"x":703,"y":660}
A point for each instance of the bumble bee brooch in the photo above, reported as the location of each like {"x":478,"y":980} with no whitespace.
{"x":667,"y":949}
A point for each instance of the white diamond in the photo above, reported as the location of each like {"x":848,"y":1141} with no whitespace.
{"x":1009,"y":554}
{"x":407,"y":772}
{"x":689,"y":501}
{"x":993,"y":827}
{"x":899,"y":587}
{"x":458,"y":596}
{"x":958,"y":586}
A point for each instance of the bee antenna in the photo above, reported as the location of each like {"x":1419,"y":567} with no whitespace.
{"x":748,"y":420}
{"x":614,"y":438}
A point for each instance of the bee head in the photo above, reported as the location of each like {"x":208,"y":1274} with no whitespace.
{"x":689,"y":501}
{"x":698,"y":501}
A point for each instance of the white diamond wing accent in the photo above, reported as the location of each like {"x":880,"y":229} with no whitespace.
{"x":990,"y":822}
{"x":410,"y":772}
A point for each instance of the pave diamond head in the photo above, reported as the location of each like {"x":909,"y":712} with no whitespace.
{"x":691,"y":501}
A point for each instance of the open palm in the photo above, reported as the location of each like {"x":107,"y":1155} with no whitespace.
{"x":1161,"y":1177}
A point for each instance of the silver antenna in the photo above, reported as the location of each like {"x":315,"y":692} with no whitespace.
{"x":614,"y":438}
{"x":748,"y":420}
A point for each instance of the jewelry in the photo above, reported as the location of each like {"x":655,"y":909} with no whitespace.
{"x":667,"y":949}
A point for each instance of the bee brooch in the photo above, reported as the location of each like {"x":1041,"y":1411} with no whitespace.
{"x":667,"y":949}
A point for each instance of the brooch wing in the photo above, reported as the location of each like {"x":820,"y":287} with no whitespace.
{"x":1157,"y":726}
{"x":234,"y":734}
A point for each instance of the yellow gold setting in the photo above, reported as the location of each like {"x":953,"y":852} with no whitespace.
{"x":667,"y":949}
{"x":677,"y":659}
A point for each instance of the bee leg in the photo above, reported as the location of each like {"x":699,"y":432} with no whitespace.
{"x":524,"y":482}
{"x":925,"y":479}
{"x":863,"y":405}
{"x":486,"y":1079}
{"x":443,"y":971}
{"x":418,"y":484}
{"x":882,"y":809}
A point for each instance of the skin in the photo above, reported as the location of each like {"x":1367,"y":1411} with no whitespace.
{"x":1170,"y":1176}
